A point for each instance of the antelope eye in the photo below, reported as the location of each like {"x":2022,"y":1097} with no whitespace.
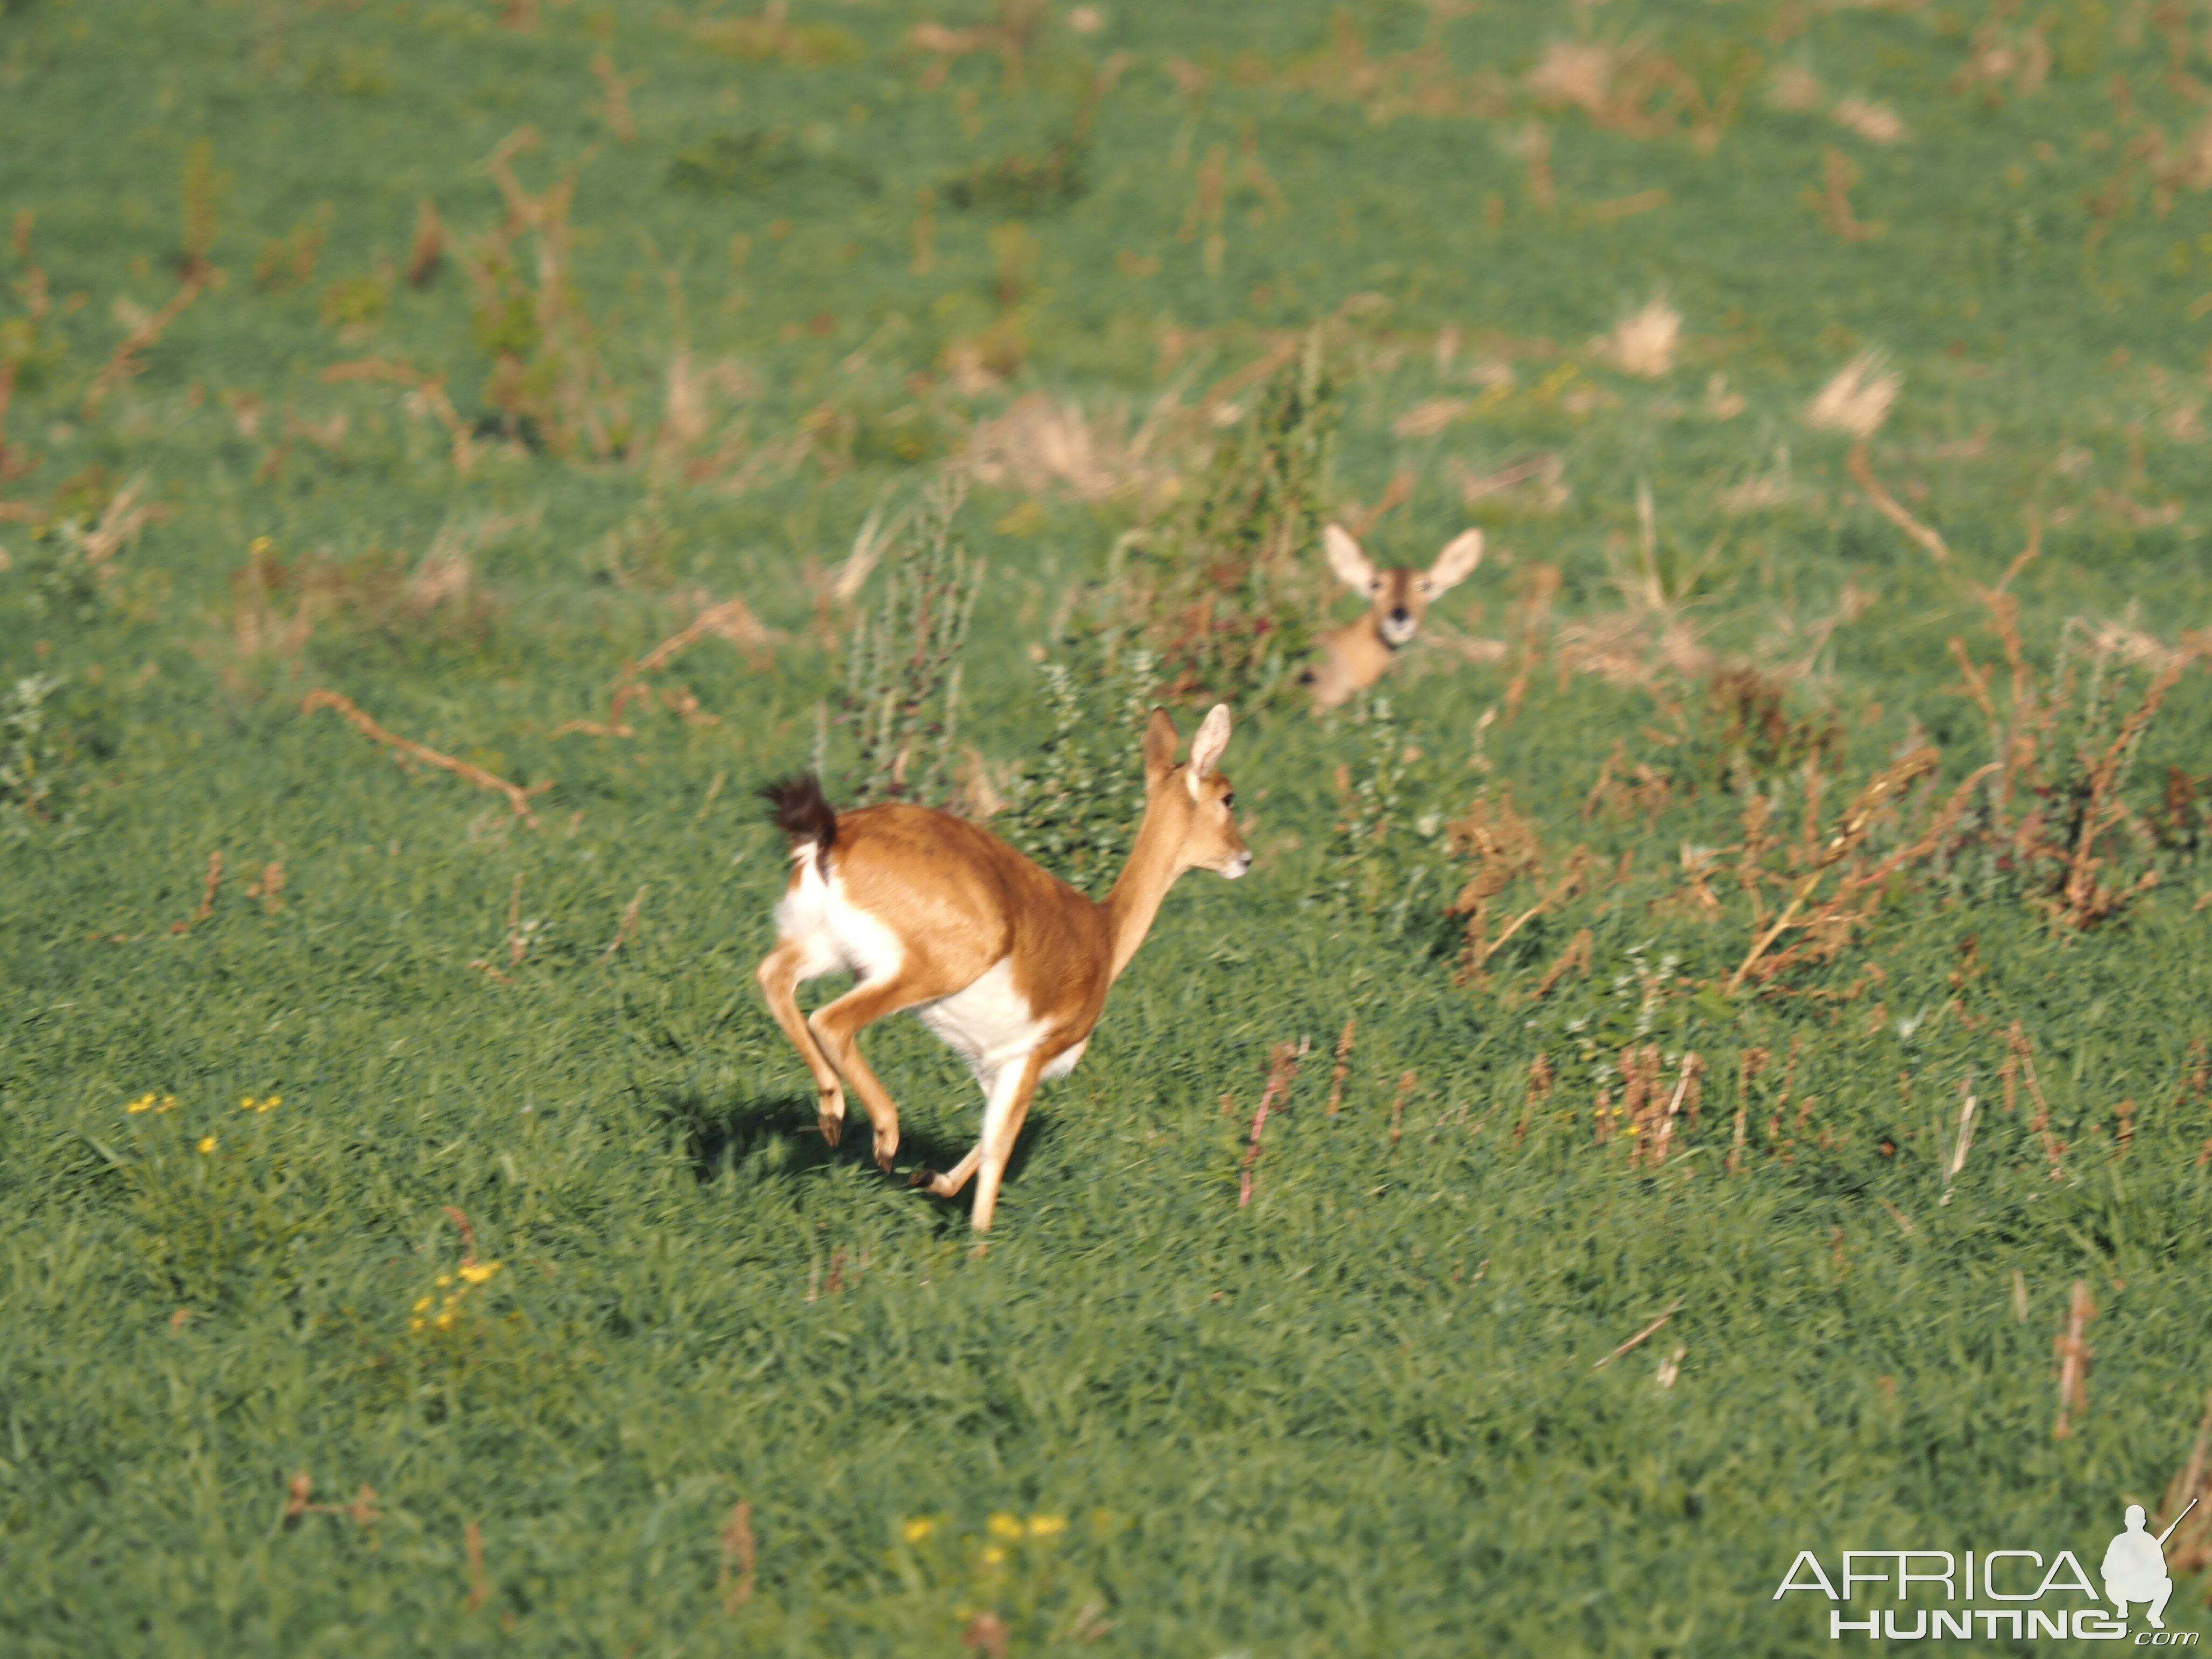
{"x":1375,"y":586}
{"x":1228,"y":800}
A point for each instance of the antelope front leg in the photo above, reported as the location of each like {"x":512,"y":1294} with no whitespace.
{"x":1002,"y":1122}
{"x":778,"y":975}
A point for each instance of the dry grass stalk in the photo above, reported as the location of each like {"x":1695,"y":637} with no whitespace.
{"x":1282,"y":1067}
{"x":2189,"y":1547}
{"x":560,"y":388}
{"x":1749,"y":1063}
{"x":122,"y":362}
{"x":1535,"y":485}
{"x":1857,"y":399}
{"x":426,"y":394}
{"x":1539,"y":1087}
{"x":1640,"y":1336}
{"x":629,"y":925}
{"x":2023,"y":1053}
{"x":1343,"y":1065}
{"x":472,"y":1541}
{"x":2073,"y":1353}
{"x":1831,"y":923}
{"x":1634,"y":90}
{"x":869,"y":543}
{"x":426,"y":249}
{"x":2087,"y":901}
{"x":1838,"y":174}
{"x":987,"y":1634}
{"x":1645,"y":343}
{"x":616,"y":106}
{"x":1962,"y":1139}
{"x":1505,"y":846}
{"x":1655,"y":1125}
{"x":1861,"y":471}
{"x":268,"y":887}
{"x":517,"y":798}
{"x":1407,"y":1083}
{"x":1875,"y":121}
{"x":119,"y":522}
{"x":207,"y":895}
{"x":12,"y":463}
{"x":1535,"y":148}
{"x":732,"y":620}
{"x":1040,"y":445}
{"x":1576,"y":955}
{"x":301,"y":1488}
{"x":733,"y":1582}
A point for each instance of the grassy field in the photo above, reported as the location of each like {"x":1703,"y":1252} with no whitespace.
{"x":451,"y":454}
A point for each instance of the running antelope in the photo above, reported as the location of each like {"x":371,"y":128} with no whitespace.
{"x":1009,"y":965}
{"x":1357,"y":655}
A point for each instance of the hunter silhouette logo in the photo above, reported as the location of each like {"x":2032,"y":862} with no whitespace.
{"x":2010,"y":1594}
{"x":2135,"y":1566}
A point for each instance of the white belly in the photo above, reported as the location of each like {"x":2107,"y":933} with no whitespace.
{"x":988,"y":1024}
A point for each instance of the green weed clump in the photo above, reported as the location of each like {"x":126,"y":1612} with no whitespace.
{"x":1073,"y":805}
{"x":902,"y":662}
{"x":1224,"y":587}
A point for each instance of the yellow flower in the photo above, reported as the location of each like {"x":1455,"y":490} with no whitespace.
{"x":917,"y":1529}
{"x":207,"y":1143}
{"x":422,"y":1303}
{"x":1045,"y":1526}
{"x":272,"y":1103}
{"x":168,"y":1104}
{"x":994,"y":1556}
{"x":442,"y":1280}
{"x":143,"y":1103}
{"x":1005,"y":1525}
{"x":246,"y":1102}
{"x":478,"y":1272}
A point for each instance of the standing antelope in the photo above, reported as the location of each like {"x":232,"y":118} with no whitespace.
{"x":1009,"y":965}
{"x":1357,"y":654}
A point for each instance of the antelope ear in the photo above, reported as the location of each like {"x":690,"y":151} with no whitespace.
{"x":1460,"y":555}
{"x":1160,"y":741}
{"x":1346,"y":560}
{"x":1205,"y":748}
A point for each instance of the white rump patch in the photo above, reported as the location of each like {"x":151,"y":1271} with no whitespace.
{"x":837,"y":935}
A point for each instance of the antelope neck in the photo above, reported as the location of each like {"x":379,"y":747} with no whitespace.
{"x":1144,"y":879}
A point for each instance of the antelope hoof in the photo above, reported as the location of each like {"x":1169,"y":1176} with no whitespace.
{"x":832,"y":1121}
{"x":923,"y":1176}
{"x":887,"y":1143}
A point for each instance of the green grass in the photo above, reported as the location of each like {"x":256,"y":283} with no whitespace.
{"x":1363,"y":1414}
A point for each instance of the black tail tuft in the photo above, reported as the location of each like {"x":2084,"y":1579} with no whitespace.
{"x":803,"y":813}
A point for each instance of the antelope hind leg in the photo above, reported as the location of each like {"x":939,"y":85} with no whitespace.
{"x":779,"y":975}
{"x":838,"y":1027}
{"x":948,"y":1184}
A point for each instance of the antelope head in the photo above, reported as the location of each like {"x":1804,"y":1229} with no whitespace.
{"x":1356,"y":656}
{"x":1193,"y":804}
{"x":1398,"y":598}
